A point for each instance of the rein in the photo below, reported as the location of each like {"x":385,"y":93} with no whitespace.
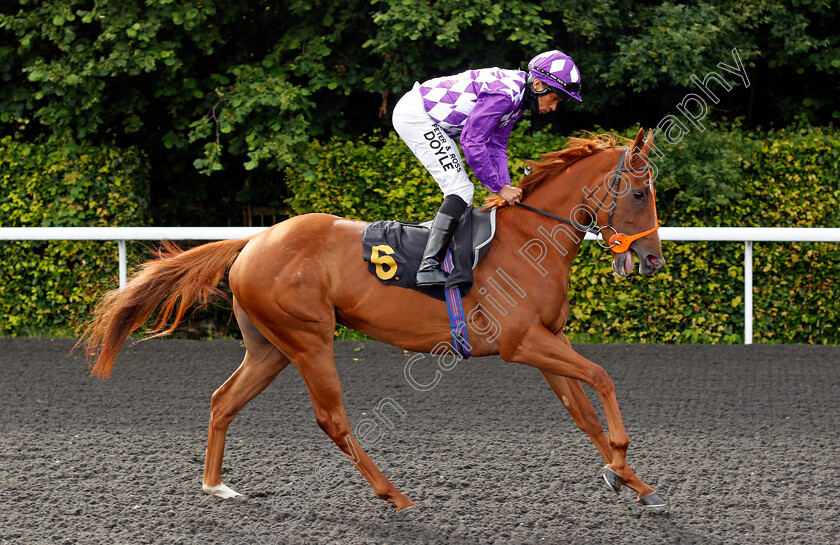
{"x":591,"y":229}
{"x":618,"y":242}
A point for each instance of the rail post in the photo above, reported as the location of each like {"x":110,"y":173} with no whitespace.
{"x":748,"y":292}
{"x":123,"y":265}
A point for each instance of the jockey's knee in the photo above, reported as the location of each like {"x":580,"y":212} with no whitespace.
{"x":464,"y":192}
{"x":454,"y":205}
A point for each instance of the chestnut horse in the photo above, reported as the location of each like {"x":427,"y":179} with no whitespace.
{"x":293,"y":282}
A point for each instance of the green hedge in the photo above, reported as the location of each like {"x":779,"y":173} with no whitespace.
{"x":725,"y":176}
{"x":52,"y":286}
{"x":379,"y":178}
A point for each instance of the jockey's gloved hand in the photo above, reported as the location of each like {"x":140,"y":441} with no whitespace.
{"x":510,"y":194}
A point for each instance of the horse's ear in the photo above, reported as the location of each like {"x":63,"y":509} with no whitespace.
{"x":637,"y":144}
{"x":648,"y":143}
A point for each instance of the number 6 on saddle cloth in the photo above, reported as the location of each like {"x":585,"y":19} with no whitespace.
{"x":394,"y":250}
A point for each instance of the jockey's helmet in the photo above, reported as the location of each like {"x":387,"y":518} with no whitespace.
{"x":558,"y":71}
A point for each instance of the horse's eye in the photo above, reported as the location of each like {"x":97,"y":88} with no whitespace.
{"x":639,"y":195}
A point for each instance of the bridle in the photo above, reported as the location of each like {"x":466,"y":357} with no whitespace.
{"x":618,"y":242}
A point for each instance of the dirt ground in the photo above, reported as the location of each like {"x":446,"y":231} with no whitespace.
{"x":741,"y":441}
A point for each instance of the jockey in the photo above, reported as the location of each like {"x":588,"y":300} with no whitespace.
{"x":480,"y":108}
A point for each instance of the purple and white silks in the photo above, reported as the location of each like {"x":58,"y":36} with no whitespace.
{"x":480,"y":107}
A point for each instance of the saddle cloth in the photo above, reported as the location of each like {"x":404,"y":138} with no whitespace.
{"x":393,"y":250}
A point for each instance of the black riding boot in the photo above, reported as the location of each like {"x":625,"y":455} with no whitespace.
{"x":429,"y":274}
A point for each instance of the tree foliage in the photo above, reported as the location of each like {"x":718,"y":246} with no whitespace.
{"x":227,"y":101}
{"x":222,"y":96}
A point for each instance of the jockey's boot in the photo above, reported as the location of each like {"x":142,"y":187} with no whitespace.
{"x":430,"y":274}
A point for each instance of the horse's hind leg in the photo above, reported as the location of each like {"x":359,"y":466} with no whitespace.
{"x":317,"y":367}
{"x":262,"y":362}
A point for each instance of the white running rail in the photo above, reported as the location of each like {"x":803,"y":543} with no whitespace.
{"x":747,"y":235}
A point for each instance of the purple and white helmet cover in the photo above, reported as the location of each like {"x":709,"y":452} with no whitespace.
{"x":558,"y":71}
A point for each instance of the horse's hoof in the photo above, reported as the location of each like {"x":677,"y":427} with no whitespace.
{"x":613,"y":480}
{"x":652,"y":501}
{"x":221,"y":490}
{"x":408,"y":509}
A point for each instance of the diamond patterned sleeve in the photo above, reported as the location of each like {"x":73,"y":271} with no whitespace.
{"x":482,"y":122}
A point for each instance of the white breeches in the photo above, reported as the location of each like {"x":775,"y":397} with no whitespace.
{"x":435,"y":149}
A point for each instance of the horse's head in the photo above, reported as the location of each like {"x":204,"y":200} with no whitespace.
{"x":622,"y":209}
{"x":627,"y":210}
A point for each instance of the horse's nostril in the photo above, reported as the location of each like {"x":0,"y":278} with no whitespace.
{"x":655,"y":261}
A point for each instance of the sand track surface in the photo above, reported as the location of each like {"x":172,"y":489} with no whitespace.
{"x":741,"y":441}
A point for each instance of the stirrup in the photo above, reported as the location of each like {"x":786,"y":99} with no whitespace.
{"x":431,"y":278}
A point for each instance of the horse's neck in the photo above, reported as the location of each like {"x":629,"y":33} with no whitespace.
{"x":551,"y":244}
{"x":548,"y":244}
{"x":536,"y":251}
{"x":563,"y":196}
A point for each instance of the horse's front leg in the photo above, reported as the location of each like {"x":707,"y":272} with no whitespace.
{"x":570,"y":392}
{"x":564,"y":369}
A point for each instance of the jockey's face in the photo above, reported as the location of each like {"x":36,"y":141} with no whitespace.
{"x":549,"y":101}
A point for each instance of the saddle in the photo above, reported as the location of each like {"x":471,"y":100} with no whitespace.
{"x":393,"y":250}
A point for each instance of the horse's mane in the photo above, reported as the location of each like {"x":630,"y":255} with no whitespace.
{"x":553,"y":163}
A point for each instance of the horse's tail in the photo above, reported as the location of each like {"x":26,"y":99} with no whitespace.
{"x":171,"y":284}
